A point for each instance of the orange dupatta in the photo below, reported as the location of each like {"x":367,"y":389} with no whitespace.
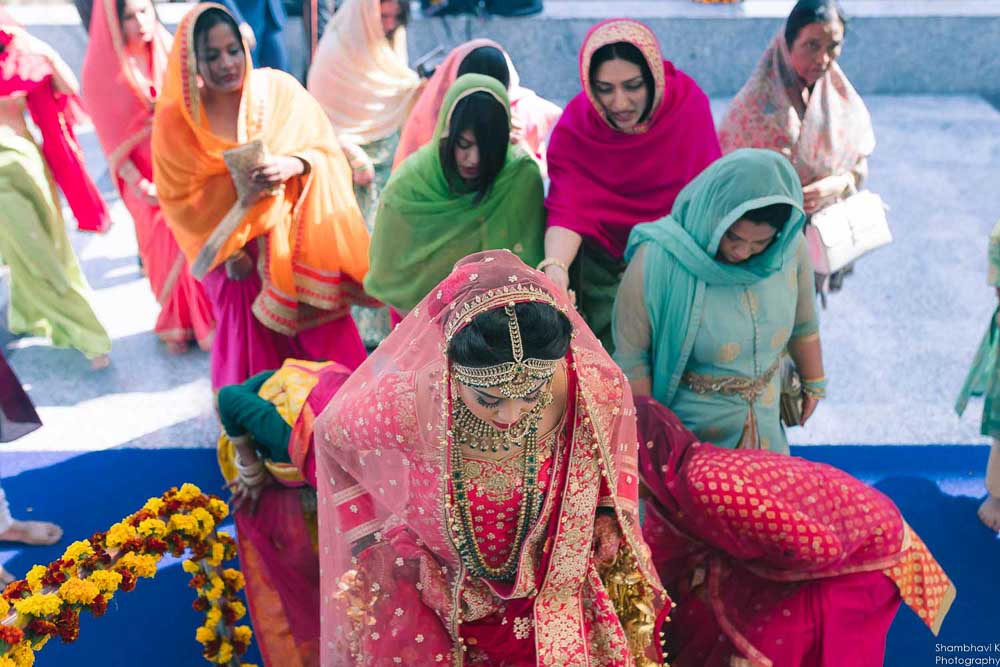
{"x":316,"y":241}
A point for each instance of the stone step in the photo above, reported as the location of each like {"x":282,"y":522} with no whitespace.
{"x":893,"y":46}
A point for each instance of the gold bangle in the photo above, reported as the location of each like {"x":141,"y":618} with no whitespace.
{"x":552,"y":261}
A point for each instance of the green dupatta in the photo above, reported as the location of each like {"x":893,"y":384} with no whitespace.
{"x":981,"y":379}
{"x":424,"y":225}
{"x":680,"y":256}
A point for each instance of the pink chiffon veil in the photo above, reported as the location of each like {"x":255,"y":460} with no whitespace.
{"x":388,"y":431}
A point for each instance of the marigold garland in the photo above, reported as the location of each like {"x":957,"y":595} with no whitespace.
{"x":49,"y":600}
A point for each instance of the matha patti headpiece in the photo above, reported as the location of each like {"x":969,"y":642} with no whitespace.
{"x":515,"y":379}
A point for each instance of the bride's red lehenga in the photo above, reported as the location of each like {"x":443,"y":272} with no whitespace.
{"x":398,"y":591}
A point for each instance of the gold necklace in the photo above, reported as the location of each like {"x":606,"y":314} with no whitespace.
{"x":471,"y":431}
{"x":460,"y":516}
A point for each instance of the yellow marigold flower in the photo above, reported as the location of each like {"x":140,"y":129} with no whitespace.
{"x":7,"y":662}
{"x":78,"y":551}
{"x":242,"y":634}
{"x":120,"y":533}
{"x":225,"y":653}
{"x":152,"y":528}
{"x":34,"y":577}
{"x":213,"y":617}
{"x":234,"y":578}
{"x":107,"y":581}
{"x":247,"y":664}
{"x":205,"y":520}
{"x":218,"y":508}
{"x":4,"y":607}
{"x":218,"y":555}
{"x":39,"y":605}
{"x":191,"y":567}
{"x":238,"y":609}
{"x":204,"y":635}
{"x":144,"y":565}
{"x":184,"y":524}
{"x":215,"y":588}
{"x":79,"y":591}
{"x":188,"y":492}
{"x":22,"y":655}
{"x":154,"y":505}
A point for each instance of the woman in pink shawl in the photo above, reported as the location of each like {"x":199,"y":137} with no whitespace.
{"x":776,"y":561}
{"x":32,"y":70}
{"x":532,"y":117}
{"x":625,"y":146}
{"x":799,"y":102}
{"x":494,"y":440}
{"x":122,"y":73}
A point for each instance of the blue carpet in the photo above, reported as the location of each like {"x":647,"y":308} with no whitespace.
{"x":937,"y":487}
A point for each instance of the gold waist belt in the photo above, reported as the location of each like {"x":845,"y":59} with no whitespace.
{"x":749,"y":389}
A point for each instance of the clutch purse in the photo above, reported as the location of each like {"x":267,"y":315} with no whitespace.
{"x":790,"y":403}
{"x":240,"y":162}
{"x":847,"y":230}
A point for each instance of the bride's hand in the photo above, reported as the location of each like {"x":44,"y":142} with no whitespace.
{"x":607,"y":539}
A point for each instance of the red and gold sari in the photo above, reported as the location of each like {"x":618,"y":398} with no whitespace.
{"x":776,"y":561}
{"x":120,"y":97}
{"x":395,"y":588}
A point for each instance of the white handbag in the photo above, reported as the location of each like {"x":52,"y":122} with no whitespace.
{"x":847,"y":230}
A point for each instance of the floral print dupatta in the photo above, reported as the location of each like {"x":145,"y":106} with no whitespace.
{"x":394,"y":586}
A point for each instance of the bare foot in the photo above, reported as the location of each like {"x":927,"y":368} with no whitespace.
{"x":36,"y":533}
{"x":100,"y":362}
{"x":176,"y":347}
{"x":989,"y":513}
{"x":6,"y":577}
{"x":206,"y":343}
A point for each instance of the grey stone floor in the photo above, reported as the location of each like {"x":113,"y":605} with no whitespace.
{"x":897,"y":340}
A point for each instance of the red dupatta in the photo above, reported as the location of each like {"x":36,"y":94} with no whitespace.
{"x":123,"y":122}
{"x":763,"y":521}
{"x":27,"y":73}
{"x":606,"y":181}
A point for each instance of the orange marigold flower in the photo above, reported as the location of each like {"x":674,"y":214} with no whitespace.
{"x":40,"y":626}
{"x":16,"y":590}
{"x":10,"y":634}
{"x":99,"y":606}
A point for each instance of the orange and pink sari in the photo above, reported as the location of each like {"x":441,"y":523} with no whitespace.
{"x":308,"y":241}
{"x":395,"y":588}
{"x":120,"y":93}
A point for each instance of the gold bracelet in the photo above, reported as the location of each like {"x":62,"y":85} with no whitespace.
{"x":552,"y":261}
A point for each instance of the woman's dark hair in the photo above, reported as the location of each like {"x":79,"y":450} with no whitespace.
{"x":404,"y":11}
{"x":811,"y":11}
{"x":120,"y":9}
{"x":208,"y":20}
{"x":629,"y":53}
{"x":776,"y":215}
{"x":487,"y":60}
{"x":545,"y":334}
{"x":486,"y":117}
